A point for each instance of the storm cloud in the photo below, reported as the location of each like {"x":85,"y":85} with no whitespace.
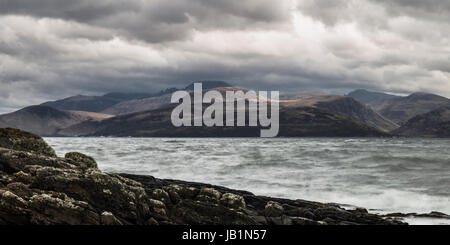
{"x":50,"y":49}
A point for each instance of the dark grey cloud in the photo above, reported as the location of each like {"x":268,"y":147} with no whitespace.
{"x":51,"y":49}
{"x":435,"y":10}
{"x":156,"y":20}
{"x":369,"y":11}
{"x":82,"y":10}
{"x":174,"y":11}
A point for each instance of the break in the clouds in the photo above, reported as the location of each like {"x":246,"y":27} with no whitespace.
{"x":55,"y":48}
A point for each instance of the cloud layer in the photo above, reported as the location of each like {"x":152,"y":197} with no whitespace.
{"x":55,"y":48}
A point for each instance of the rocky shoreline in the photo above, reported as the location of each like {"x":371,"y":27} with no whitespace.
{"x":38,"y":187}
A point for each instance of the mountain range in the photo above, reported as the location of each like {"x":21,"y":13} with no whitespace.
{"x":299,"y":121}
{"x":361,"y":113}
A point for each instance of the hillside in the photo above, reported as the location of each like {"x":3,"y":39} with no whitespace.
{"x":294,"y":122}
{"x":46,"y":121}
{"x":342,"y":105}
{"x":111,"y":103}
{"x":157,"y":101}
{"x":133,"y":106}
{"x":400,"y":110}
{"x":369,"y":97}
{"x":93,"y":103}
{"x":333,"y":103}
{"x":432,"y":124}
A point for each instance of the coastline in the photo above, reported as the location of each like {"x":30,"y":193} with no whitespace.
{"x":434,"y":217}
{"x":37,"y":187}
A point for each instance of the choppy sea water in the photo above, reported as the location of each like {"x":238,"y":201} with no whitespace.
{"x":383,"y":175}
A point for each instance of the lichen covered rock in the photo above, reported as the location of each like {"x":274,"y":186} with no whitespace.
{"x":82,"y":160}
{"x":44,"y":189}
{"x":273,"y":209}
{"x":233,"y":201}
{"x":16,"y":139}
{"x":209,"y":195}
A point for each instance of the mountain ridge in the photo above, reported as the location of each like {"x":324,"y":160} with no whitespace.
{"x":368,"y":97}
{"x":380,"y":118}
{"x":435,"y":123}
{"x":45,"y":120}
{"x":344,"y":105}
{"x":294,"y":122}
{"x":401,"y":109}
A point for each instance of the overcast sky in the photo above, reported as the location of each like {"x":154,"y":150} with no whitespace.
{"x":50,"y":49}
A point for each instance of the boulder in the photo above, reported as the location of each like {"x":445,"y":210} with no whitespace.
{"x":232,"y":201}
{"x":107,"y":218}
{"x":81,"y":160}
{"x":273,"y":209}
{"x":16,"y":139}
{"x":209,"y":195}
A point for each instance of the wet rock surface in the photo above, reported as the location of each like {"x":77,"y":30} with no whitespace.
{"x":200,"y":203}
{"x":435,"y":215}
{"x":37,"y":187}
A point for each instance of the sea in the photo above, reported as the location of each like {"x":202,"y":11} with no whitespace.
{"x":384,"y":175}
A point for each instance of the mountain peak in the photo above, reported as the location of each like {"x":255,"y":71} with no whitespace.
{"x":367,"y":97}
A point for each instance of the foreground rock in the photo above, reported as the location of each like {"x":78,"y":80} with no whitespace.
{"x":198,"y":203}
{"x":37,"y":187}
{"x":433,"y":215}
